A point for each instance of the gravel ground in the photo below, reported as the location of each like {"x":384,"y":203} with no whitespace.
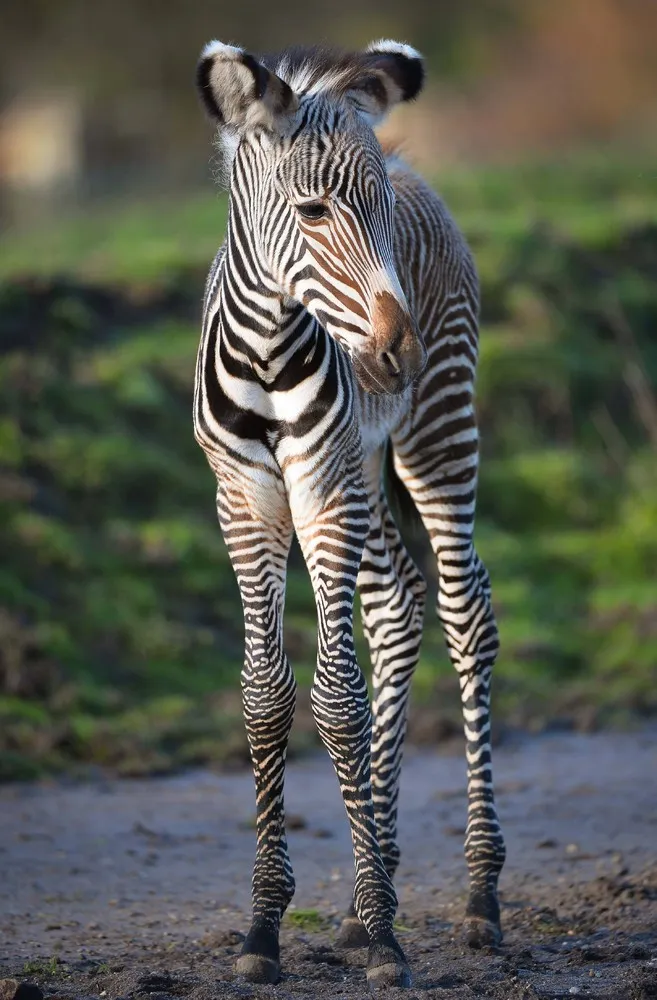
{"x":141,"y":888}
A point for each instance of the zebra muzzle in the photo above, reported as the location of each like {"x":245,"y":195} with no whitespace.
{"x":398,"y":354}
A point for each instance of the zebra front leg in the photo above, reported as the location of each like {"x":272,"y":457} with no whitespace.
{"x":332,"y":544}
{"x":392,"y":594}
{"x":258,"y":552}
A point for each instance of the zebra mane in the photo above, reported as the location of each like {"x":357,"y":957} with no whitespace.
{"x":316,"y":68}
{"x":330,"y":69}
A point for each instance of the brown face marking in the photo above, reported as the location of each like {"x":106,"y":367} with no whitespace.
{"x":392,"y":327}
{"x":327,"y":263}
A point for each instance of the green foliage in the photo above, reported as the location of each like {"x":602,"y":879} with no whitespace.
{"x":44,"y":968}
{"x":306,"y":920}
{"x":568,"y":409}
{"x":120,"y":629}
{"x":140,"y":242}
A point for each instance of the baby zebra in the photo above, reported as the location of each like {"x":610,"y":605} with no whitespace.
{"x":340,"y":319}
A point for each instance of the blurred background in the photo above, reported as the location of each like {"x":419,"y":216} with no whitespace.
{"x":120,"y":622}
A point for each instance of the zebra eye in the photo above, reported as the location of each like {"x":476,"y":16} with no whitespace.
{"x":313,"y":210}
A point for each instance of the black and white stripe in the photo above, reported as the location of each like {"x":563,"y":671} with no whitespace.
{"x":304,"y":309}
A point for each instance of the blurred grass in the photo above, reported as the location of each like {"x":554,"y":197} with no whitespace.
{"x":588,"y":195}
{"x":120,"y":629}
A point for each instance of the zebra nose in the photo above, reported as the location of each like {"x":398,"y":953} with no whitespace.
{"x":404,"y":354}
{"x":390,"y":364}
{"x":400,"y":353}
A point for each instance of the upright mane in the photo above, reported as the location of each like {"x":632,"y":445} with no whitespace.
{"x":315,"y":69}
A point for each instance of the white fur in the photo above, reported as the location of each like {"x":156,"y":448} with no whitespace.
{"x":216,"y":48}
{"x":390,"y":45}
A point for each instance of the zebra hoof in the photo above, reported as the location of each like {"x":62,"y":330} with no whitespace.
{"x":481,"y":933}
{"x":387,"y":965}
{"x":391,"y":974}
{"x":258,"y":968}
{"x":352,"y":934}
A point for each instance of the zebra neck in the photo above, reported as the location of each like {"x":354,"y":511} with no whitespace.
{"x":258,"y":326}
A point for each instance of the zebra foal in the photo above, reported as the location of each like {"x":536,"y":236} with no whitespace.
{"x":340,"y":315}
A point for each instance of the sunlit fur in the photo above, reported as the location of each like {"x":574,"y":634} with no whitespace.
{"x":297,"y":445}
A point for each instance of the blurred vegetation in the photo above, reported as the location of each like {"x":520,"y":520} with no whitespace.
{"x":100,"y":100}
{"x":120,"y":628}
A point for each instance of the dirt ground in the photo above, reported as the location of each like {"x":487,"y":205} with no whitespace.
{"x":140,"y":889}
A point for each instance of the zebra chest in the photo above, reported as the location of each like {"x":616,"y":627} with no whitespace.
{"x":379,"y":417}
{"x":245,"y":421}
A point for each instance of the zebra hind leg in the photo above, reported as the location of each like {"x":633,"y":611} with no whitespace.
{"x":392,"y":595}
{"x":445,"y":501}
{"x":484,"y":845}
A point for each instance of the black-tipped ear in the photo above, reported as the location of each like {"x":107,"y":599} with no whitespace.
{"x":401,"y":63}
{"x":239,"y":91}
{"x":405,"y":69}
{"x":392,"y":72}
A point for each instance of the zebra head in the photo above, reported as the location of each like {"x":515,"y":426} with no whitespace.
{"x":311,"y":202}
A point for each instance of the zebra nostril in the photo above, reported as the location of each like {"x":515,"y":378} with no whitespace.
{"x":390,"y":363}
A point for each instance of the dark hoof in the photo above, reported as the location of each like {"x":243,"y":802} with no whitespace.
{"x":481,"y":933}
{"x":386,"y":964}
{"x":352,"y":934}
{"x":391,"y":974}
{"x":258,"y":968}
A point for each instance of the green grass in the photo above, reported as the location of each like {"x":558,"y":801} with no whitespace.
{"x":587,"y":197}
{"x":120,"y":628}
{"x":43,"y":968}
{"x":139,"y":242}
{"x":306,"y":920}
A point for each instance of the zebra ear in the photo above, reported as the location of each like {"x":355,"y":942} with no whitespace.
{"x":393,"y":72}
{"x":239,"y":92}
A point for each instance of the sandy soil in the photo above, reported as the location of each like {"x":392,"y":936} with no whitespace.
{"x":141,"y":889}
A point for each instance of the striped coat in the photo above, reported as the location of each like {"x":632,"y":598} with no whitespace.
{"x":340,"y":318}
